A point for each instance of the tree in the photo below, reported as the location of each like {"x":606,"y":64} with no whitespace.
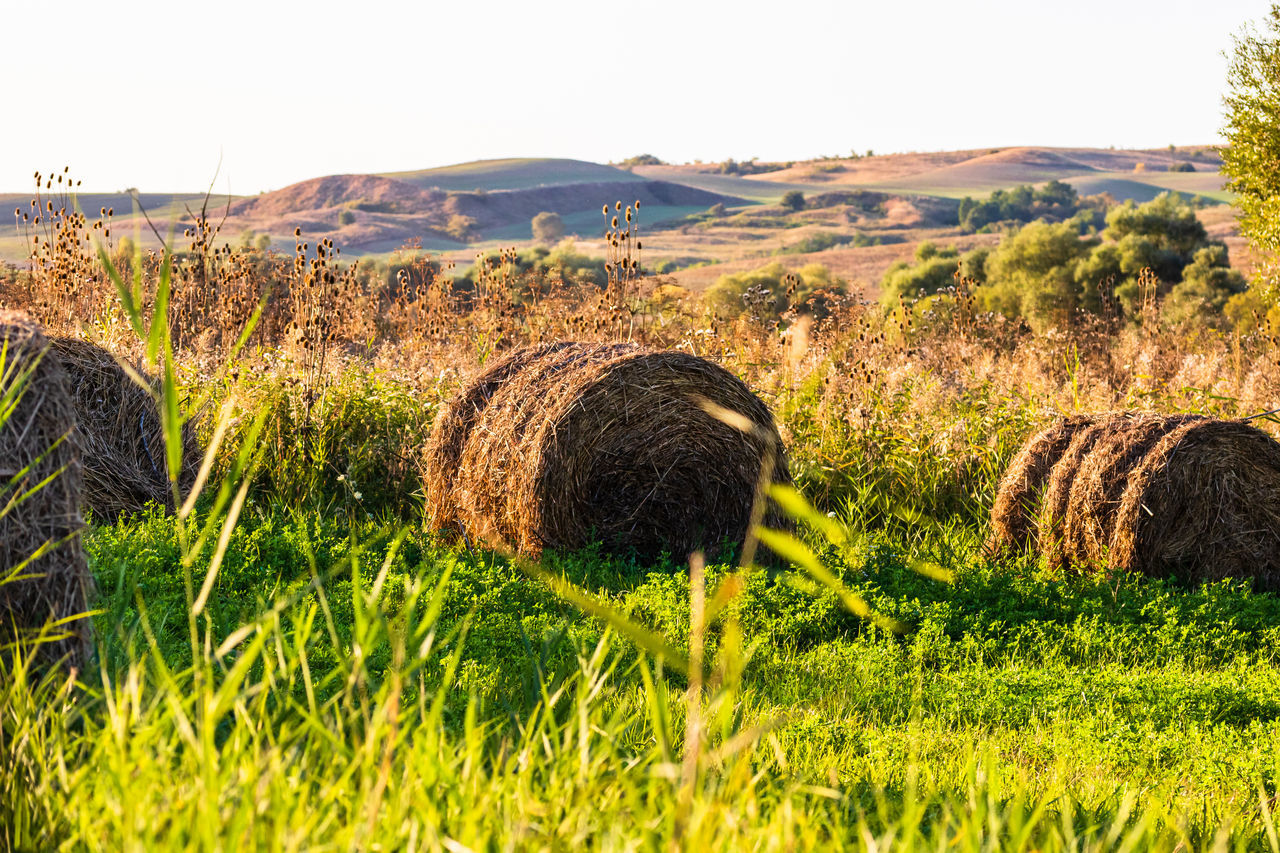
{"x":793,"y":200}
{"x":641,"y":160}
{"x":1032,"y":274}
{"x":548,"y":227}
{"x":1253,"y":132}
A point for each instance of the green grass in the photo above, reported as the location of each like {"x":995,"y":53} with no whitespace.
{"x":291,"y":663}
{"x":349,"y":689}
{"x":1144,"y":186}
{"x":513,"y":174}
{"x":763,"y":191}
{"x":590,"y":224}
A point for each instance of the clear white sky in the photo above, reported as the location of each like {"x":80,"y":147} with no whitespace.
{"x":153,"y":94}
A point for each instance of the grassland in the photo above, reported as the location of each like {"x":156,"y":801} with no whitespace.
{"x":1018,"y":709}
{"x":374,"y":215}
{"x":299,"y":664}
{"x":513,"y":174}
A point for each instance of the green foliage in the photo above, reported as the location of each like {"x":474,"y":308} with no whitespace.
{"x":823,"y":240}
{"x":1054,"y":201}
{"x":763,"y":291}
{"x":973,"y":264}
{"x":547,"y":227}
{"x":1184,"y":166}
{"x":461,"y":227}
{"x":1032,"y":274}
{"x":349,"y":445}
{"x":641,"y":160}
{"x":1208,"y":283}
{"x":793,"y":200}
{"x":346,"y":217}
{"x":1043,"y":272}
{"x":935,"y":270}
{"x":538,"y":266}
{"x":1253,"y":131}
{"x":749,"y":167}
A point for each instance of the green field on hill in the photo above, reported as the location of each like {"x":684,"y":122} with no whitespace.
{"x":513,"y":174}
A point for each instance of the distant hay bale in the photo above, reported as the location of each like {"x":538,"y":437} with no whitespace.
{"x":1016,"y":508}
{"x":1089,"y":521}
{"x":1203,"y":505}
{"x":38,"y":446}
{"x":565,"y":445}
{"x":120,"y":433}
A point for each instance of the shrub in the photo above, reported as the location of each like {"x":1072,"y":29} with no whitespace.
{"x":1054,"y":201}
{"x":793,"y":200}
{"x":766,"y":290}
{"x":824,"y":240}
{"x":641,"y":160}
{"x":460,"y":227}
{"x":1032,"y":274}
{"x":933,"y":271}
{"x":547,"y":227}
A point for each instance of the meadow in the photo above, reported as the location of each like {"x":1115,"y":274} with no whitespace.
{"x":293,"y":661}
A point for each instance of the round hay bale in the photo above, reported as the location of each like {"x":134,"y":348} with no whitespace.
{"x":1088,"y":522}
{"x":1014,"y":513}
{"x":454,"y":426}
{"x":571,"y":444}
{"x":120,"y":433}
{"x":1203,"y":505}
{"x":1062,"y":476}
{"x":38,"y":446}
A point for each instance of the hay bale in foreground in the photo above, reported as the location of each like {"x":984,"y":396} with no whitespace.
{"x":565,"y":445}
{"x":1013,"y":516}
{"x":37,"y":444}
{"x":1061,"y":479}
{"x":1203,"y":505}
{"x":454,"y":426}
{"x":1089,"y":520}
{"x":120,"y":434}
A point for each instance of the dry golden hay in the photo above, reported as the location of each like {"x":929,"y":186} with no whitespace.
{"x":1088,"y":522}
{"x":120,"y":433}
{"x":453,"y":429}
{"x":565,"y":445}
{"x":37,"y":446}
{"x":1013,"y":516}
{"x":1203,"y":505}
{"x":1057,"y":489}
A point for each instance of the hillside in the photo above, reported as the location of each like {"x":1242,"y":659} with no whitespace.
{"x":375,"y":214}
{"x":955,"y":174}
{"x":513,"y":174}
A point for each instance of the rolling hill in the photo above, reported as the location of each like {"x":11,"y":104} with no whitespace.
{"x":375,"y":214}
{"x":954,"y":174}
{"x":513,"y":174}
